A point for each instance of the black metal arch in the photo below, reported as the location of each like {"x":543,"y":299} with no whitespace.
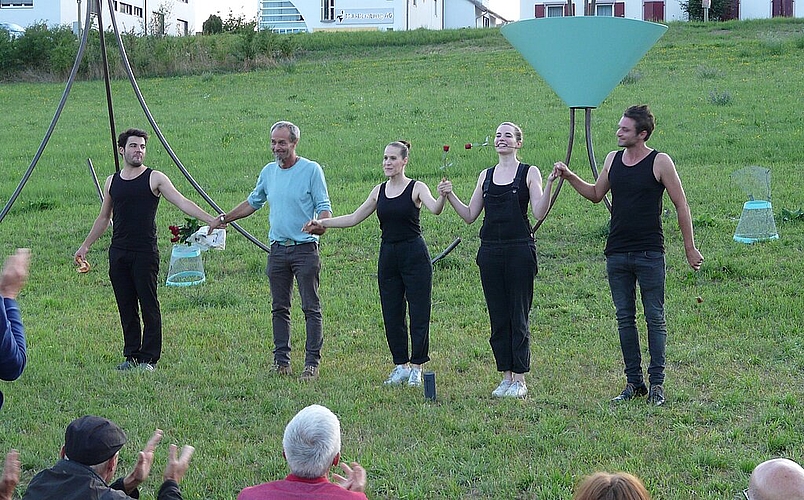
{"x":94,"y":7}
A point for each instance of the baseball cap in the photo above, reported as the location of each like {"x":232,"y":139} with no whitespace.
{"x":91,"y":440}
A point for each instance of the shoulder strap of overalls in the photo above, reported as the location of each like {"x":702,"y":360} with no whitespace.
{"x":487,"y":181}
{"x":523,"y":167}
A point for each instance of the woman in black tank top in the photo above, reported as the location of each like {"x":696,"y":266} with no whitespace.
{"x":507,"y":253}
{"x":404,"y":271}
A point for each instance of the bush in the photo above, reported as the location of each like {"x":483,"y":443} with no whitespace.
{"x":721,"y":10}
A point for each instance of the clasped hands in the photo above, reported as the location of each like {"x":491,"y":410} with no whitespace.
{"x":314,"y":227}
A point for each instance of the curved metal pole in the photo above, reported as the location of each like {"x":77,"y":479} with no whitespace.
{"x":164,"y":142}
{"x":108,"y":83}
{"x":560,"y":180}
{"x":70,"y":80}
{"x":591,"y":153}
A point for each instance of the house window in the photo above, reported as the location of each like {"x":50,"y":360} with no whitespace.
{"x":126,"y":8}
{"x":159,"y":23}
{"x":16,"y":3}
{"x":138,"y":11}
{"x":605,"y":10}
{"x":555,"y":11}
{"x":183,"y":27}
{"x":327,"y":10}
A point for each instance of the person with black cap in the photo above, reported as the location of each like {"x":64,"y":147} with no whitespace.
{"x":89,"y":461}
{"x":12,"y":339}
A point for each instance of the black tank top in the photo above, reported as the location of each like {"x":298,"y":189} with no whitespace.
{"x":134,"y":213}
{"x":399,"y":216}
{"x":636,"y":207}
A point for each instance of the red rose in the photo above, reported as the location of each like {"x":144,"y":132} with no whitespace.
{"x":174,"y":240}
{"x":446,"y":148}
{"x":468,"y":145}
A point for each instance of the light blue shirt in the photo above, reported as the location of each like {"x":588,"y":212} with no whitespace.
{"x":294,"y":195}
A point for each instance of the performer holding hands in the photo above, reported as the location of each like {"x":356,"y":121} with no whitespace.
{"x":404,"y":271}
{"x":507,"y":253}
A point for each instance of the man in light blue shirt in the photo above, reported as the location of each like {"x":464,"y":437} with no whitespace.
{"x":295,"y":189}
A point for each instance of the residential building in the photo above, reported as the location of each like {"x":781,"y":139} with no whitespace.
{"x":656,"y":10}
{"x":170,"y":17}
{"x":295,"y":16}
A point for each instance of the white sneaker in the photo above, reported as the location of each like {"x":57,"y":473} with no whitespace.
{"x":398,"y":375}
{"x":502,"y":388}
{"x":415,"y":378}
{"x":517,"y":390}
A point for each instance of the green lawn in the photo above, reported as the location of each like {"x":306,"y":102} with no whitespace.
{"x":725,"y":97}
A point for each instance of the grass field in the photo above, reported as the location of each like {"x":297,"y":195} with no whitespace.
{"x":725,"y":98}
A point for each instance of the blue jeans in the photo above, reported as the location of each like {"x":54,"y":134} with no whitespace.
{"x":625,"y":270}
{"x":302,"y":263}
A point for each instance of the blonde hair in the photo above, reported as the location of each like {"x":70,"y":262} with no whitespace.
{"x":606,"y":486}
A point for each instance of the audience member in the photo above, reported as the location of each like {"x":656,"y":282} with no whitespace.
{"x":11,"y":475}
{"x":776,"y":479}
{"x":12,"y":343}
{"x":606,"y":486}
{"x":89,"y":461}
{"x":311,"y":445}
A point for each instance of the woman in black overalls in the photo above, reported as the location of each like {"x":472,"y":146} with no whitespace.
{"x":404,"y":271}
{"x":507,"y":254}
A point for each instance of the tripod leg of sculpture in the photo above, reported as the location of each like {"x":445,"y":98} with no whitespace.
{"x":162,"y":139}
{"x":95,"y":179}
{"x":107,"y":81}
{"x":590,"y":151}
{"x":560,"y":181}
{"x":70,"y":80}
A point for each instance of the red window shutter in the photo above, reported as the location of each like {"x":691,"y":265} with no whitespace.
{"x":619,"y":9}
{"x":569,"y":9}
{"x":539,"y":10}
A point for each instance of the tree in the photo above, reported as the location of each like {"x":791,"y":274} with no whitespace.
{"x":213,"y":25}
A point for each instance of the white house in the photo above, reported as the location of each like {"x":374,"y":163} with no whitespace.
{"x":172,"y":17}
{"x":657,"y":10}
{"x":294,"y":16}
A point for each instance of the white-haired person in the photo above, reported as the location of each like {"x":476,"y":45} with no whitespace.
{"x":507,"y":253}
{"x":311,"y":445}
{"x":776,"y":479}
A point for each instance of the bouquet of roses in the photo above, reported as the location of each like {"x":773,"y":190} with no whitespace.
{"x":181,"y":233}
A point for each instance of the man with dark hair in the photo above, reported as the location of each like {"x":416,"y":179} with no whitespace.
{"x":295,"y":189}
{"x":89,"y":460}
{"x":312,"y":445}
{"x":13,"y":346}
{"x":637,"y":177}
{"x":130,"y":199}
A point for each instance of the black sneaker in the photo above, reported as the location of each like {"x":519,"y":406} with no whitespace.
{"x":656,"y":395}
{"x":631,"y":391}
{"x":126,"y":365}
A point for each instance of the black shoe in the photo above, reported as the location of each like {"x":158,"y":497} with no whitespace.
{"x":656,"y":395}
{"x":631,"y":391}
{"x":126,"y":365}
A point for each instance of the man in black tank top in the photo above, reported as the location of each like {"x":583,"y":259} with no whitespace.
{"x":637,"y":177}
{"x":131,"y":197}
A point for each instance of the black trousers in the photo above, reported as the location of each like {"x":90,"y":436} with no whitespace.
{"x":405,"y":278}
{"x":133,"y":276}
{"x":507,"y":272}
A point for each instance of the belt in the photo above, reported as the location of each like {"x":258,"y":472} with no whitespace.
{"x":289,"y":243}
